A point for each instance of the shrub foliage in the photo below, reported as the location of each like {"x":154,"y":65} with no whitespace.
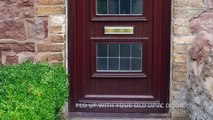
{"x":32,"y":91}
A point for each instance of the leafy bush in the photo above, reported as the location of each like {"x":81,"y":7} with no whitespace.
{"x":32,"y":91}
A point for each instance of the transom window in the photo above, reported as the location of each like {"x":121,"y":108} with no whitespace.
{"x":119,"y":57}
{"x":119,"y":7}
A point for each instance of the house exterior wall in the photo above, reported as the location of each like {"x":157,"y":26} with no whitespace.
{"x":183,"y":12}
{"x":200,"y":66}
{"x":191,"y":84}
{"x":32,"y":29}
{"x":36,"y":30}
{"x":184,"y":34}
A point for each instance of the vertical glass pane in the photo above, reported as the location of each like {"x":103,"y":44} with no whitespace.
{"x":113,"y":50}
{"x":136,"y":6}
{"x":113,"y":63}
{"x":102,"y":63}
{"x":136,"y":64}
{"x":125,"y":64}
{"x":125,"y":7}
{"x":102,"y":50}
{"x":102,"y":6}
{"x":136,"y":50}
{"x":125,"y":50}
{"x":113,"y":6}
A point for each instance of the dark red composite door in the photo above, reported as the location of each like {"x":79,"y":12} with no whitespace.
{"x":119,"y":55}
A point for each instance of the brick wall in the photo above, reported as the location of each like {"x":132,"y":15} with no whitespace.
{"x":32,"y":29}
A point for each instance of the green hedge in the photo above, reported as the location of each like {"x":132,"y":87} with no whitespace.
{"x":32,"y":91}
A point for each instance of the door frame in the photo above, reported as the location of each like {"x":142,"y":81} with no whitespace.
{"x":164,"y":29}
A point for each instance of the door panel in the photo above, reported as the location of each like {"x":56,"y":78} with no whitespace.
{"x":123,"y":84}
{"x":117,"y":56}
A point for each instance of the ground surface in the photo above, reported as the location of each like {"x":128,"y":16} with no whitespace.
{"x":119,"y":119}
{"x":112,"y":116}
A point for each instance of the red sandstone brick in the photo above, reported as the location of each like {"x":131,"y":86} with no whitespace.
{"x":12,"y":59}
{"x":23,"y":47}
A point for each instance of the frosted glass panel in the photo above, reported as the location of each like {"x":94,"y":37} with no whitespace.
{"x":136,"y":63}
{"x":102,"y":64}
{"x":113,"y":64}
{"x":136,"y":50}
{"x":102,"y":6}
{"x":125,"y":64}
{"x":125,"y":50}
{"x":136,"y":7}
{"x":125,"y":7}
{"x":113,"y":50}
{"x":113,"y":7}
{"x":102,"y":50}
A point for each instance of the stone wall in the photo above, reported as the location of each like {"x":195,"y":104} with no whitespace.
{"x":201,"y":67}
{"x":32,"y":29}
{"x":191,"y":19}
{"x":201,"y":77}
{"x":183,"y":12}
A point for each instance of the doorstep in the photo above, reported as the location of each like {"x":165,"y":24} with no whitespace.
{"x":117,"y":116}
{"x":112,"y":116}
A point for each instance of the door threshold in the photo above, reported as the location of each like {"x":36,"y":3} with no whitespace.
{"x":119,"y":115}
{"x":66,"y":115}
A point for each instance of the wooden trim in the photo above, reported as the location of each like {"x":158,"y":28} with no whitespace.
{"x":119,"y":38}
{"x":166,"y":34}
{"x":72,"y":71}
{"x":107,"y":19}
{"x":118,"y":96}
{"x":119,"y":75}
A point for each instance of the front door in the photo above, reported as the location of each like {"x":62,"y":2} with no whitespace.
{"x":119,"y":55}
